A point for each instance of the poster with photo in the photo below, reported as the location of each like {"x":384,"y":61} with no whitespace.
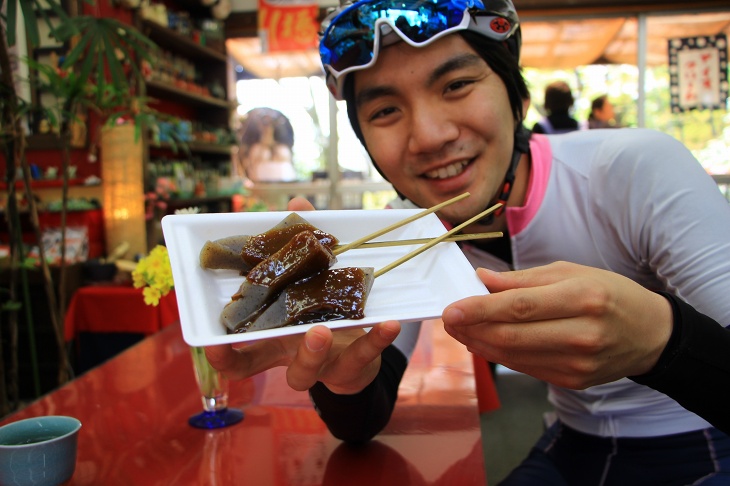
{"x":698,"y":73}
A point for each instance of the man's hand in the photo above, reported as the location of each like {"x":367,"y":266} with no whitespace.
{"x":299,"y":204}
{"x":345,"y":360}
{"x":567,"y":324}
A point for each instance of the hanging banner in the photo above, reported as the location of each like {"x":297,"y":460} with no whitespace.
{"x":288,"y":25}
{"x":698,"y":72}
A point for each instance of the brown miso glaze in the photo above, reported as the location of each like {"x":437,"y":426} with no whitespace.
{"x":302,"y":255}
{"x":330,"y":295}
{"x":261,"y":246}
{"x":300,"y":258}
{"x":334,"y":294}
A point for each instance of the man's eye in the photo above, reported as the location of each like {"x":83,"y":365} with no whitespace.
{"x":382,"y":113}
{"x":457,"y":85}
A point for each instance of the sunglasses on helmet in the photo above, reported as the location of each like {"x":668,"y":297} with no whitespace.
{"x":352,"y":39}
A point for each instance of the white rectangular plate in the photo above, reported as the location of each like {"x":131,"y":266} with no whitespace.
{"x":416,"y":290}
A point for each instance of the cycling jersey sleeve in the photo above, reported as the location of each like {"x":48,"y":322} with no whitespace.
{"x":359,"y":417}
{"x":694,"y":368}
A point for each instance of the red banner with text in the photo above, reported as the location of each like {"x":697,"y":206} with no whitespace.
{"x":286,"y":25}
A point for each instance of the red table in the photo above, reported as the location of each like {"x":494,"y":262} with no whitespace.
{"x":134,"y":409}
{"x":114,"y":308}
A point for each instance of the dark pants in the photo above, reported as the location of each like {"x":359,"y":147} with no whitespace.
{"x":566,"y":457}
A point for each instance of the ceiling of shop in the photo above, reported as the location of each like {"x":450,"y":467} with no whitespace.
{"x":557,"y":34}
{"x":247,"y":52}
{"x":575,"y":42}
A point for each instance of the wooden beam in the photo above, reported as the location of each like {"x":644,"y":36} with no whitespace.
{"x":532,"y":9}
{"x":245,"y":24}
{"x":523,"y":5}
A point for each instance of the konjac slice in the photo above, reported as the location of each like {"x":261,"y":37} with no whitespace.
{"x":337,"y":293}
{"x":261,"y":246}
{"x":243,"y":252}
{"x":225,"y":253}
{"x":301,"y":257}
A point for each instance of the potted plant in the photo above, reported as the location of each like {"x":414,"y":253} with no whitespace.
{"x":99,"y":73}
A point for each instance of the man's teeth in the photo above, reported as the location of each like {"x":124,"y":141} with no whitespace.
{"x":448,"y":171}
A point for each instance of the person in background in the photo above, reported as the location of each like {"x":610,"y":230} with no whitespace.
{"x":558,"y":105}
{"x":265,"y":152}
{"x":613,"y":265}
{"x":602,"y":113}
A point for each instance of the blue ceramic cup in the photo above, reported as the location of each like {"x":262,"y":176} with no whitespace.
{"x":39,"y":451}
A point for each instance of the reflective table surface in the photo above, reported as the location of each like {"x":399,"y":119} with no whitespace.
{"x":134,"y":411}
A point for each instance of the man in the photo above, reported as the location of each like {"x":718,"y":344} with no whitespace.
{"x":558,"y":105}
{"x":436,"y":97}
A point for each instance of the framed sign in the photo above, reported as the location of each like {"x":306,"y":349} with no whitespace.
{"x":698,"y":72}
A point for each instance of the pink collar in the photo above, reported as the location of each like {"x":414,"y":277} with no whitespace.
{"x":518,"y":217}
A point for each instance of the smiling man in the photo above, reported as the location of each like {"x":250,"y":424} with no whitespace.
{"x":605,"y":231}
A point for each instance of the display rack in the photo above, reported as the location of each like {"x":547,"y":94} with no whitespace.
{"x":190,"y":83}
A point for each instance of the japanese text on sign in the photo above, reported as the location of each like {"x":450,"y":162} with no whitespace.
{"x":287,"y":26}
{"x":698,"y":72}
{"x":699,"y":75}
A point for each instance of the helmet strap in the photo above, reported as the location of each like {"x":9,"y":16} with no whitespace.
{"x":522,"y":146}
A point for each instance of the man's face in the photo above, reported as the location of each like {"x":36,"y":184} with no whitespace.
{"x":438,"y":123}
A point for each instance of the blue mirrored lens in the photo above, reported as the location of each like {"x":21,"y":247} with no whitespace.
{"x":350,"y":38}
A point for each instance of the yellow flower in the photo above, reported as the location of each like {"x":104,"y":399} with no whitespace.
{"x":154,"y":275}
{"x":151,"y":295}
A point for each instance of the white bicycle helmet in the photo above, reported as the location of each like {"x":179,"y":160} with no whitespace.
{"x":353,"y":34}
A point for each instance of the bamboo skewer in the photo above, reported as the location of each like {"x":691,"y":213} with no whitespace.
{"x":430,"y":242}
{"x":435,"y":241}
{"x":419,"y":241}
{"x":387,"y":229}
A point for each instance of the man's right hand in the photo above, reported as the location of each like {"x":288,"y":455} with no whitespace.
{"x":345,"y":360}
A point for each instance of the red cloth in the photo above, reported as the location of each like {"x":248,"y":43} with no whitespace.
{"x":117,"y":309}
{"x":487,"y":396}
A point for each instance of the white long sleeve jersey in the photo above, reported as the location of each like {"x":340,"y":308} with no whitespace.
{"x":635,"y":202}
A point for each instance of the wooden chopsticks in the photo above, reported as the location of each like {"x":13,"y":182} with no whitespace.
{"x":436,"y":241}
{"x":433,"y":209}
{"x":419,"y":241}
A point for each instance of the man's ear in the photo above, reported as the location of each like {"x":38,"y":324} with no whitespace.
{"x":525,"y":106}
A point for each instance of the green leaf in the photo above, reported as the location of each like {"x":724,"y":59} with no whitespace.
{"x":98,"y":49}
{"x":116,"y":70}
{"x":43,"y":6}
{"x":28,"y":263}
{"x":11,"y":305}
{"x":59,"y":29}
{"x":12,"y":15}
{"x":31,"y":23}
{"x":77,"y":52}
{"x":31,"y":9}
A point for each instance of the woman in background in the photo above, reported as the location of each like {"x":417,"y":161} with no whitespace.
{"x":265,"y":154}
{"x":602,"y":113}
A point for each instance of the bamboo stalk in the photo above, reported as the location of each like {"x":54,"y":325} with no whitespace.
{"x":435,"y":241}
{"x":393,"y":226}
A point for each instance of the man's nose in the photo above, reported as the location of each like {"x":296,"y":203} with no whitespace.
{"x":430,"y":130}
